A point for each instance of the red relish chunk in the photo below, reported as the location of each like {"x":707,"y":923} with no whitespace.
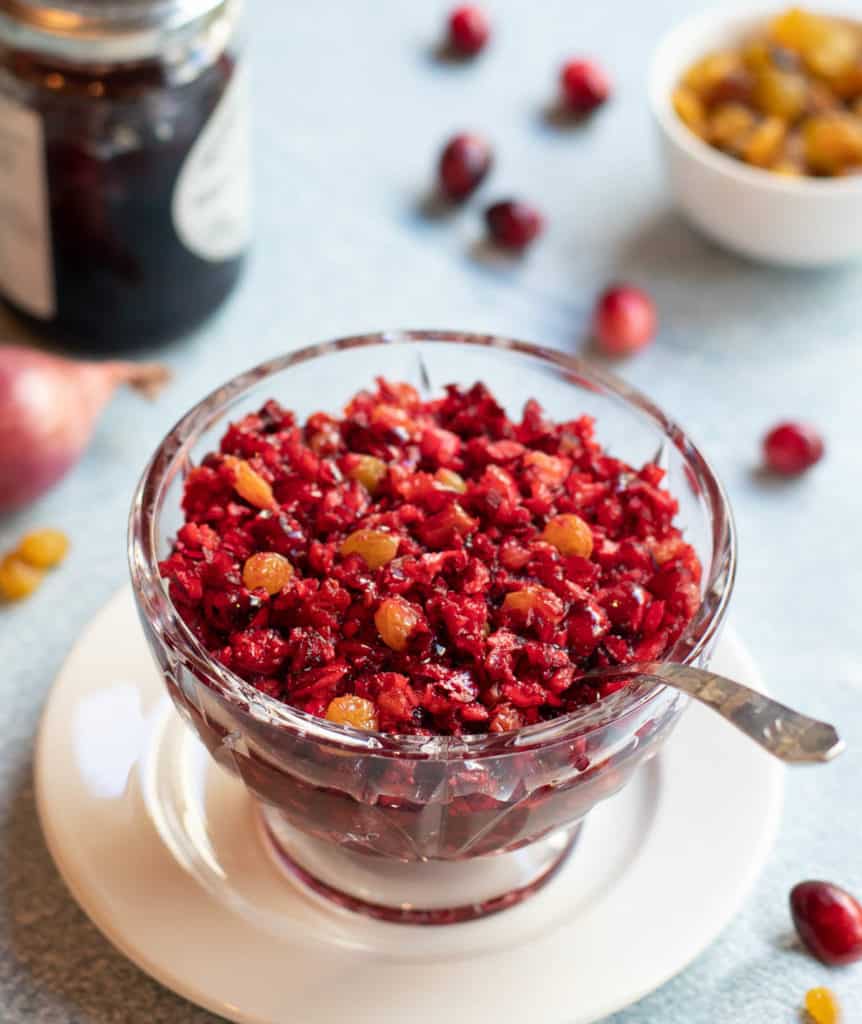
{"x":453,"y":570}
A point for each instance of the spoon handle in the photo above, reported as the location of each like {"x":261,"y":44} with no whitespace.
{"x":785,"y":733}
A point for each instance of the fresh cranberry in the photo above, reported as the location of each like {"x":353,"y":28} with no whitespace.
{"x":624,"y":320}
{"x":512,"y":224}
{"x":829,"y":921}
{"x":464,"y":163}
{"x":791,"y":448}
{"x":585,"y":86}
{"x":469,"y":29}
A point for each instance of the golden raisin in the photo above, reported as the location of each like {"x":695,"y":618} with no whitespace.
{"x":450,"y":480}
{"x":369,"y":471}
{"x":765,"y":142}
{"x":835,"y":54}
{"x":690,"y":110}
{"x":757,"y":55}
{"x":375,"y":547}
{"x":18,"y":579}
{"x":570,"y":535}
{"x":736,"y":88}
{"x":730,"y":125}
{"x":848,"y":85}
{"x":267,"y":571}
{"x":43,"y":549}
{"x":351,"y":710}
{"x":822,"y":1006}
{"x":395,"y":620}
{"x":536,"y":599}
{"x":250,"y":485}
{"x":797,"y":29}
{"x":833,"y":142}
{"x":781,"y":93}
{"x":706,"y":74}
{"x":827,"y":45}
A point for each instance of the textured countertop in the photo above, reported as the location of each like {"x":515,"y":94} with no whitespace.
{"x":349,"y":112}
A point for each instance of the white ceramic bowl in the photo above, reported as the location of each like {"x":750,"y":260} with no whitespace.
{"x":802,"y":222}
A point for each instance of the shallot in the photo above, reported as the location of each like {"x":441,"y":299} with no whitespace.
{"x":48,"y":411}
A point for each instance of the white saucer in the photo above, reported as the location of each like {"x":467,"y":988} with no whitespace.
{"x":161,"y":849}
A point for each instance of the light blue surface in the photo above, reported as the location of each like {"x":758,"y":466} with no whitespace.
{"x":350,"y":110}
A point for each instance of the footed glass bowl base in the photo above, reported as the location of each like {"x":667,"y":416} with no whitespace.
{"x":417,"y":892}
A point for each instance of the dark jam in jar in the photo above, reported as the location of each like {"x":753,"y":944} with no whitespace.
{"x":132,"y":220}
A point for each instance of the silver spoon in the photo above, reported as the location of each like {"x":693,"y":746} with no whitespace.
{"x":783,"y":732}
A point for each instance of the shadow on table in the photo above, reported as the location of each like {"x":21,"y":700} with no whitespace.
{"x":704,"y":284}
{"x":61,"y":965}
{"x":753,"y":991}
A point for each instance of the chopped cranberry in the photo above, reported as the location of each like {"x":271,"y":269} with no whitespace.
{"x":625,"y":604}
{"x":674,"y":583}
{"x":791,"y":448}
{"x":585,"y":86}
{"x":513,"y":224}
{"x":587,"y":626}
{"x":624,"y":320}
{"x":428,"y":567}
{"x":258,"y":651}
{"x":464,"y":163}
{"x":469,"y":29}
{"x":829,"y":921}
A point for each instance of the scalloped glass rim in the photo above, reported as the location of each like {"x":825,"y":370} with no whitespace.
{"x":173,"y":633}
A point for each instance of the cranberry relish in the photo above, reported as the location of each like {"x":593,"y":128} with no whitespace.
{"x":428,"y":567}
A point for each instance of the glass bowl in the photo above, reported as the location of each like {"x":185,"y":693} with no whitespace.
{"x":418,"y":829}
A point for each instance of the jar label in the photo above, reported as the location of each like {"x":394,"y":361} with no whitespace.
{"x":26,"y":271}
{"x":211,"y":208}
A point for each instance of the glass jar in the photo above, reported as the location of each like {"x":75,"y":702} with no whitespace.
{"x":123,"y":166}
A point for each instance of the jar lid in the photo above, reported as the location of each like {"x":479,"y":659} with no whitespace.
{"x":113,"y":29}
